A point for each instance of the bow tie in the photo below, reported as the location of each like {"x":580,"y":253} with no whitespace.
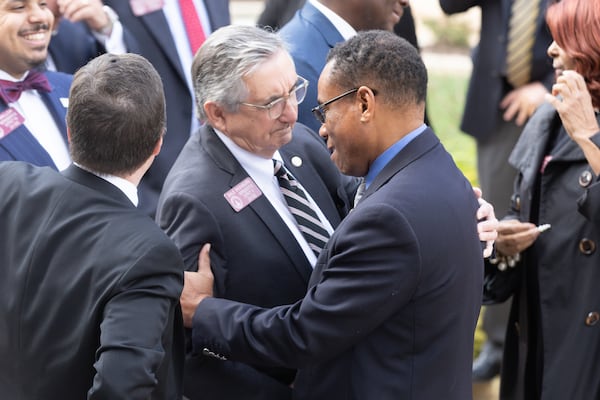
{"x":11,"y":91}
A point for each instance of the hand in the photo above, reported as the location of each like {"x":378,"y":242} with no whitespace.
{"x":488,"y":225}
{"x":515,"y":236}
{"x":520,"y":103}
{"x":89,"y":11}
{"x":196,"y":286}
{"x":574,"y":106}
{"x":573,"y":103}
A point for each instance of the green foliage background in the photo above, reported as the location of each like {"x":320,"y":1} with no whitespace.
{"x":445,"y":102}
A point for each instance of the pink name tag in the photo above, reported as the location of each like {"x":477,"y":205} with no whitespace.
{"x":143,"y":7}
{"x":10,"y":119}
{"x":242,"y":194}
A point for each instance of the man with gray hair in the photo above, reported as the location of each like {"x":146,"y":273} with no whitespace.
{"x":223,"y":190}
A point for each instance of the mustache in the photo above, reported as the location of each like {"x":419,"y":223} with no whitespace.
{"x":40,"y":27}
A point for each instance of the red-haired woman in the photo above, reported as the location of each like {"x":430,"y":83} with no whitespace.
{"x":552,"y":348}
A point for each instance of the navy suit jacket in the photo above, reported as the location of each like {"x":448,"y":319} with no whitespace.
{"x":89,"y":295}
{"x":256,"y":259}
{"x":151,"y":38}
{"x":310,"y":36}
{"x":392,"y":303}
{"x":73,"y":46}
{"x":482,"y":114}
{"x":20,"y":144}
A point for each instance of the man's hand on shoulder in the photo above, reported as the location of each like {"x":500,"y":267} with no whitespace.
{"x":487,"y":227}
{"x":197,"y":286}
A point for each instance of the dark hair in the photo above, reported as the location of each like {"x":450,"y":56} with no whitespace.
{"x":116,"y":113}
{"x":574,"y":27}
{"x":382,"y":61}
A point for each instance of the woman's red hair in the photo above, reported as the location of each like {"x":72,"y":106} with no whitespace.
{"x":575,"y":27}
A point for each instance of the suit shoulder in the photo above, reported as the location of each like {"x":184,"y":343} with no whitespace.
{"x":59,"y":77}
{"x":24,"y":172}
{"x":60,"y":82}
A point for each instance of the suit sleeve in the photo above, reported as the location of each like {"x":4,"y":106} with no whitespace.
{"x":136,"y":332}
{"x":190,"y":225}
{"x":374,"y":272}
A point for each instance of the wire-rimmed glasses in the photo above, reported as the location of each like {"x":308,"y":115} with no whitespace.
{"x":319,"y":111}
{"x":295,"y":96}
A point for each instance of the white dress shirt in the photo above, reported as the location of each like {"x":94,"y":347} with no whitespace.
{"x":41,"y":124}
{"x":128,"y":188}
{"x":343,"y":27}
{"x":177,"y":28}
{"x":262,"y":172}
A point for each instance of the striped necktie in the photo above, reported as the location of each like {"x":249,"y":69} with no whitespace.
{"x":521,"y":36}
{"x":307,"y":219}
{"x":360,"y":191}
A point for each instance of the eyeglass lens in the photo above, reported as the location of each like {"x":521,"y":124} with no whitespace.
{"x":295,"y":97}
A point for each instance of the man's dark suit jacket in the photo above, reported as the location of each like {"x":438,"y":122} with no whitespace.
{"x":151,"y":38}
{"x":392,"y":303}
{"x":73,"y":46}
{"x":255,"y":257}
{"x":487,"y":87}
{"x":20,"y":144}
{"x":89,"y":295}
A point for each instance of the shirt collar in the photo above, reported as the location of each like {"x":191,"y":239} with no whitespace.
{"x":128,"y":188}
{"x":343,"y":27}
{"x":385,"y":157}
{"x":252,"y":163}
{"x":7,"y":77}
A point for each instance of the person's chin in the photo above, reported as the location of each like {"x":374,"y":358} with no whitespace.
{"x":38,"y":63}
{"x":285,"y":132}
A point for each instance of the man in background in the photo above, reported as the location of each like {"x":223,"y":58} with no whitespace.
{"x":320,"y":24}
{"x":168,"y":34}
{"x":501,"y":97}
{"x":33,"y":102}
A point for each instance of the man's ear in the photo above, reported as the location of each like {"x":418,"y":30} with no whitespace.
{"x":215,"y":115}
{"x":366,"y":97}
{"x":158,"y":146}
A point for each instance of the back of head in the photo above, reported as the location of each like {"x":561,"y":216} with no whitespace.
{"x":225,"y":58}
{"x":574,"y":26}
{"x":116,"y":114}
{"x":383,"y":61}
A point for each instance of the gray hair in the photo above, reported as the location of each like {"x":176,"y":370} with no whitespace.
{"x":228,"y":55}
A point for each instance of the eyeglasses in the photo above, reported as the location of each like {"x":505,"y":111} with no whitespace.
{"x":319,"y":111}
{"x":295,"y":96}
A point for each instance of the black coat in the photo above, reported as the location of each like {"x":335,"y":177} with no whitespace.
{"x":555,"y":286}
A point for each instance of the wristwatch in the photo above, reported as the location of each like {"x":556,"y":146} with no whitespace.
{"x":112,"y":20}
